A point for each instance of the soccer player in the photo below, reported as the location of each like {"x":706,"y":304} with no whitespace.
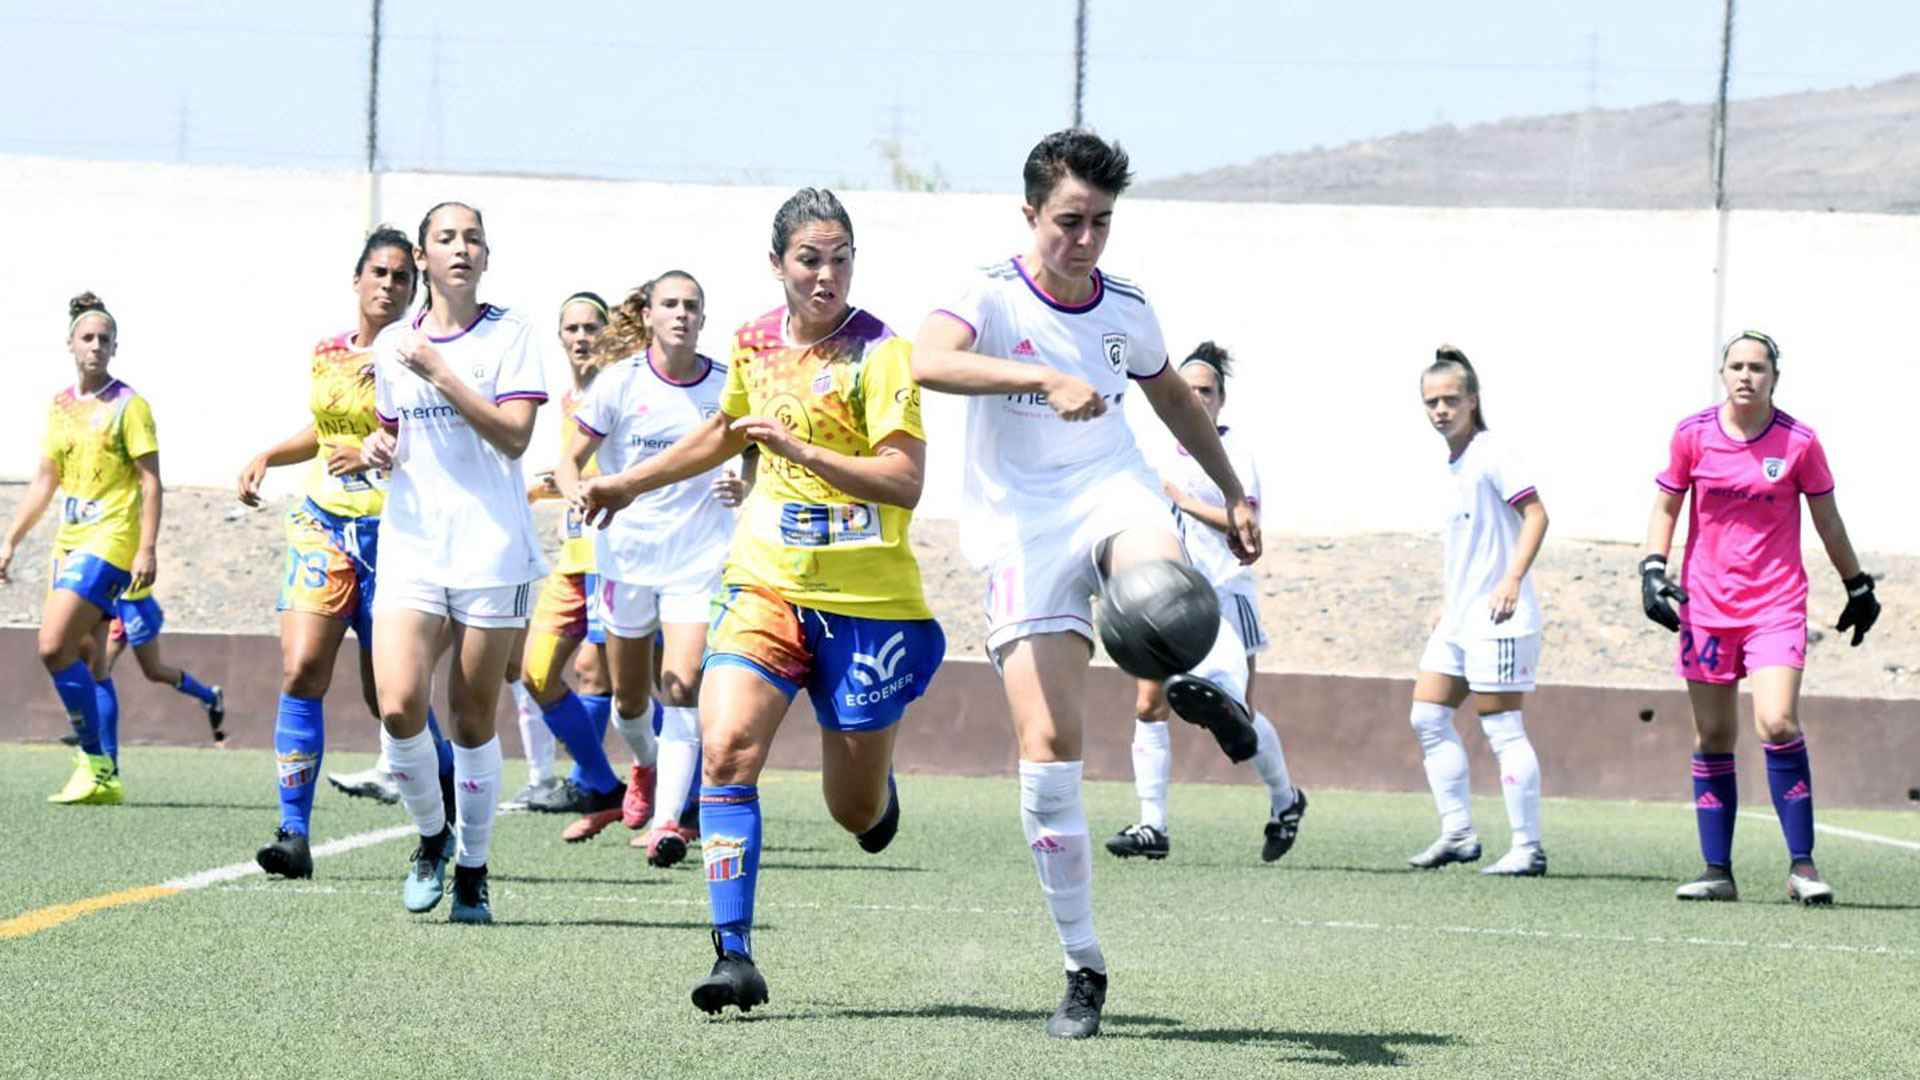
{"x":1743,"y":601}
{"x":821,"y":589}
{"x":1487,"y":639}
{"x":332,"y":543}
{"x":661,"y":557}
{"x":102,"y":454}
{"x":136,"y":625}
{"x":566,"y":615}
{"x":1058,"y":497}
{"x":456,"y":390}
{"x":1203,"y":523}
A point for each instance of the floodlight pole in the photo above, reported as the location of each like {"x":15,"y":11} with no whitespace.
{"x":1079,"y":62}
{"x":371,"y":203}
{"x":1718,"y":163}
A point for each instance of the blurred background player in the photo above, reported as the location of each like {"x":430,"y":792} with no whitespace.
{"x":456,"y":391}
{"x":1058,"y":497}
{"x":821,"y":589}
{"x":1743,"y":601}
{"x":1202,"y":520}
{"x":136,"y":624}
{"x":102,"y":455}
{"x":1487,"y":639}
{"x":661,"y":556}
{"x":565,"y":615}
{"x":332,"y":543}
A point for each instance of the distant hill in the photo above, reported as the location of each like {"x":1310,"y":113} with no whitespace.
{"x":1854,"y":150}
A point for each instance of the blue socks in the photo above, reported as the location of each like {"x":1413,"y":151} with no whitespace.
{"x":571,"y":723}
{"x":191,"y":686}
{"x":107,"y":702}
{"x":730,"y":842}
{"x":1716,"y":798}
{"x":75,"y":685}
{"x":1790,"y":779}
{"x":299,"y":737}
{"x":441,"y":747}
{"x":600,"y":709}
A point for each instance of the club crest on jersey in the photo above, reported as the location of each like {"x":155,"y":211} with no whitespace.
{"x":823,"y":383}
{"x":1773,"y":467}
{"x":1115,"y":346}
{"x":479,"y":372}
{"x":725,"y":857}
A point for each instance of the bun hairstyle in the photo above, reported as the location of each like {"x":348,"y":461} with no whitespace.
{"x":1772,"y":347}
{"x":88,"y":304}
{"x":804,"y":207}
{"x":1448,"y":359}
{"x":1214,"y":357}
{"x":385,"y":236}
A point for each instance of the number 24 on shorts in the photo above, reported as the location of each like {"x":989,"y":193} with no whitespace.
{"x":1709,"y":650}
{"x":310,"y":565}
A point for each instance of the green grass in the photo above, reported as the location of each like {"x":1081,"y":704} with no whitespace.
{"x":937,"y":959}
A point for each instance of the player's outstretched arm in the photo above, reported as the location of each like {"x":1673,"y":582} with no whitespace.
{"x":942,"y":361}
{"x":699,"y":450}
{"x":1862,"y":609}
{"x":292,"y":450}
{"x":33,"y":503}
{"x":1173,"y":401}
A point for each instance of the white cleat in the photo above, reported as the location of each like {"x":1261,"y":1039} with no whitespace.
{"x":375,"y":784}
{"x":1524,"y":860}
{"x":1464,"y":848}
{"x":1714,"y":884}
{"x":1805,"y":886}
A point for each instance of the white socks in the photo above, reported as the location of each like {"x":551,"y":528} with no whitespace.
{"x":1152,"y":762}
{"x":679,"y":754}
{"x":1271,"y":763}
{"x":416,"y":772}
{"x":476,"y":791}
{"x":1446,"y":760}
{"x":1519,"y":774}
{"x":637,"y":731}
{"x":1055,"y":822}
{"x":536,"y":739}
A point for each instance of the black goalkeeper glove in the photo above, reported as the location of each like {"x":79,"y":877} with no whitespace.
{"x":1655,"y":589}
{"x":1862,"y":608}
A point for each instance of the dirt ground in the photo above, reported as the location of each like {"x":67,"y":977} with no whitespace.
{"x":1350,"y":605}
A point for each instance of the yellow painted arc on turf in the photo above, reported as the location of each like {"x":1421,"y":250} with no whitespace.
{"x":47,"y":918}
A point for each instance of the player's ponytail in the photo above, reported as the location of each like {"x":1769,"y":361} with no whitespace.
{"x":626,"y":332}
{"x":1449,"y":359}
{"x":88,"y":304}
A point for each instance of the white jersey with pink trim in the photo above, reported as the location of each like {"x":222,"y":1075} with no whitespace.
{"x":456,"y":513}
{"x":1023,"y":461}
{"x":1483,"y":528}
{"x":1206,"y":545}
{"x":671,"y":534}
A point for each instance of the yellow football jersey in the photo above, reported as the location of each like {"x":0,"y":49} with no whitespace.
{"x":576,"y":543}
{"x":342,"y":404}
{"x":94,"y":440}
{"x":798,"y":535}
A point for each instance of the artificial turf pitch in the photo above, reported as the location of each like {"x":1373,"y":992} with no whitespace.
{"x":936,"y":958}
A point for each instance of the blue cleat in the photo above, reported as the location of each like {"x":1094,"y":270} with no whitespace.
{"x":428,"y":882}
{"x":470,"y":903}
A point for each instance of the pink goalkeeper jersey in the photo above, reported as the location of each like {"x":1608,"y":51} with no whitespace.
{"x":1743,"y":563}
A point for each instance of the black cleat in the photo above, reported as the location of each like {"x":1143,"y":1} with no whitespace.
{"x":875,"y":840}
{"x":560,"y":798}
{"x":286,"y":856}
{"x":1078,"y":1016}
{"x":217,"y":713}
{"x":1284,"y":828}
{"x":71,"y":738}
{"x":1202,"y":701}
{"x":735,"y":981}
{"x":1140,"y":840}
{"x":470,"y":901}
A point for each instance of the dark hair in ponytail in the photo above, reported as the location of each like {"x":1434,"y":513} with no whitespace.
{"x":1448,"y":359}
{"x":384,"y":236}
{"x":426,"y":290}
{"x":1214,"y":357}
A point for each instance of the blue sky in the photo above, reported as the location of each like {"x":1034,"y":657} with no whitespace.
{"x":779,"y":93}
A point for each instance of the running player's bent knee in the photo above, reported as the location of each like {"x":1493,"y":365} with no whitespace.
{"x":1777,"y":727}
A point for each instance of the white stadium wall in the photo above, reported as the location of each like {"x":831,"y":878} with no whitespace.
{"x":1593,"y":329}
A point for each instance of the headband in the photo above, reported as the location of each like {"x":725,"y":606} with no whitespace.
{"x":100,"y":311}
{"x":590,"y":300}
{"x":1773,"y":349}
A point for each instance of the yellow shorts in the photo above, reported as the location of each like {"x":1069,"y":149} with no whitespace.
{"x":330,"y":567}
{"x":567,"y":609}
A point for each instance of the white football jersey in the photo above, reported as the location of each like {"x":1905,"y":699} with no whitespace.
{"x":676,"y":533}
{"x":1022,"y":459}
{"x":1206,"y":545}
{"x":1482,"y":529}
{"x":456,"y":513}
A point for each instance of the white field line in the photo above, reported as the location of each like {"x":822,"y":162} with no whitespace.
{"x":514,"y":893}
{"x":235,"y":871}
{"x":1836,"y":830}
